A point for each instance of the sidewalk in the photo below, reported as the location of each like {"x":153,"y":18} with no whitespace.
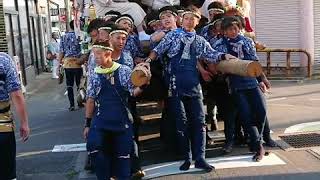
{"x":41,"y":82}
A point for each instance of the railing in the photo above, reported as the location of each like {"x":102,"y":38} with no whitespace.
{"x":288,"y":59}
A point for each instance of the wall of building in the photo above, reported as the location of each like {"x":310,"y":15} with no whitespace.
{"x":26,"y":27}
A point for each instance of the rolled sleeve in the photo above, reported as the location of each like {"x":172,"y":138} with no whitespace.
{"x":164,"y":44}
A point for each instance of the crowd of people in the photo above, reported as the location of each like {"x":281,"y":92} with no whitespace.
{"x":186,"y":46}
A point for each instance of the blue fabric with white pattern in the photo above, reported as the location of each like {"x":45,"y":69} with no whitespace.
{"x":94,"y":85}
{"x":9,"y":81}
{"x":70,"y":45}
{"x":172,"y":42}
{"x":133,"y":46}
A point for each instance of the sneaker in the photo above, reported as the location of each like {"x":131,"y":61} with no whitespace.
{"x":270,"y":143}
{"x":71,"y":108}
{"x":80,"y":105}
{"x":209,"y":140}
{"x":88,"y":164}
{"x":185,"y":166}
{"x":203,"y":164}
{"x":228,"y":148}
{"x":138,"y":174}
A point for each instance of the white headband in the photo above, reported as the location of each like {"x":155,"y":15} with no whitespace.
{"x":221,"y":11}
{"x":180,"y":11}
{"x":110,"y":15}
{"x":168,"y":11}
{"x":235,"y":22}
{"x":105,"y":28}
{"x":102,"y":47}
{"x":194,"y":13}
{"x":123,"y":17}
{"x":152,"y":21}
{"x":119,"y":31}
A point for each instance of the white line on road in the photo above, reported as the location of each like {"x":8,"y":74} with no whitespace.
{"x":32,"y":153}
{"x":171,"y":168}
{"x":282,"y":105}
{"x":298,"y":127}
{"x":276,"y":99}
{"x":70,"y":148}
{"x":314,"y":99}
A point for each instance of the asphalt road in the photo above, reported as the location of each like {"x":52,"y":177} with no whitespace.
{"x":51,"y":124}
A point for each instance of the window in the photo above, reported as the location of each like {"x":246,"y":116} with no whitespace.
{"x":54,"y":12}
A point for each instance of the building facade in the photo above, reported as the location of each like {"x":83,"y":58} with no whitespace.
{"x":25,"y":30}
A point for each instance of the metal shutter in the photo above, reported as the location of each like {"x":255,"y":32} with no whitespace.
{"x":277,"y":25}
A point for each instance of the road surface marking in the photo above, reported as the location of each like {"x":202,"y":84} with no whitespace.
{"x":282,"y":105}
{"x":172,"y":168}
{"x":314,"y":99}
{"x":32,"y":153}
{"x":70,"y":148}
{"x":311,"y":126}
{"x":276,"y":99}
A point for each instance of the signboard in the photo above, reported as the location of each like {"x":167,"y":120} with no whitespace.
{"x":54,"y":12}
{"x":63,"y":18}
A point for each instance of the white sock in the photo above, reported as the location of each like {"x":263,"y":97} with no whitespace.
{"x":143,"y":36}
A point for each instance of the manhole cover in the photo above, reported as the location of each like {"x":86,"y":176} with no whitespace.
{"x":302,"y":140}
